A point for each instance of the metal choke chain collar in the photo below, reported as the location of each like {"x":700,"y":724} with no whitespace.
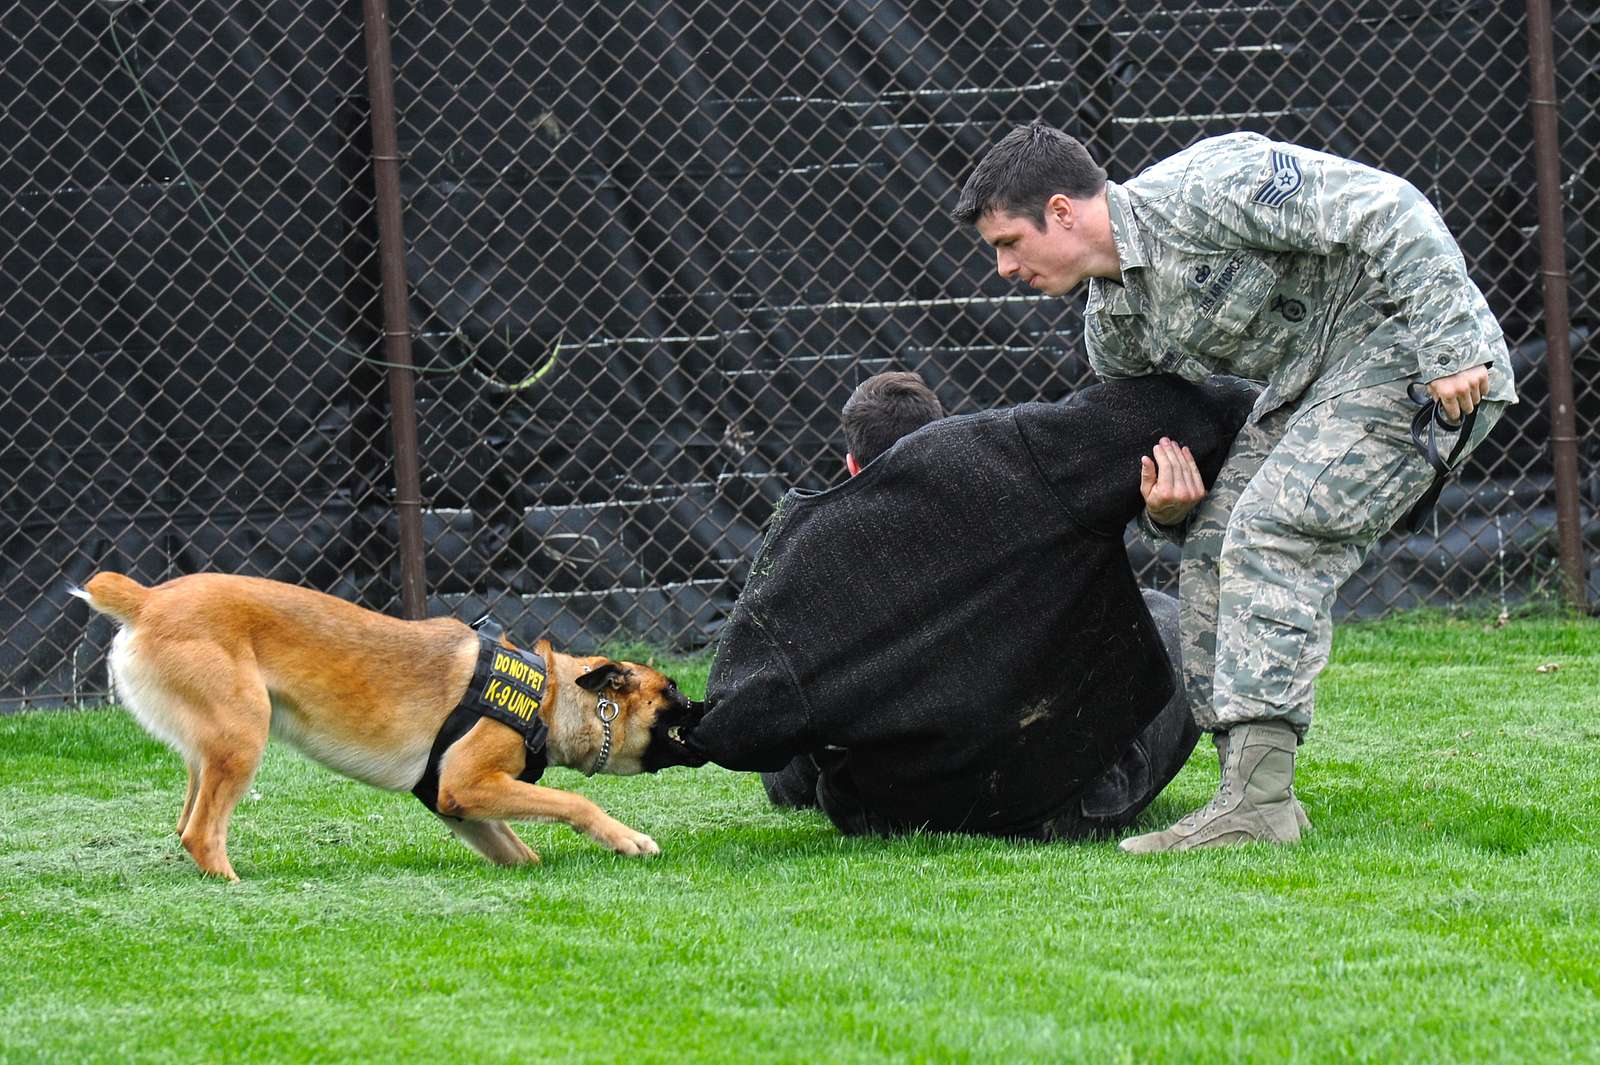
{"x":607,"y":712}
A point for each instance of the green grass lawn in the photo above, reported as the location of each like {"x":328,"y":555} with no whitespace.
{"x":1445,"y":908}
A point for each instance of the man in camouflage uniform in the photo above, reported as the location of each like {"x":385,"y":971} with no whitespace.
{"x":1340,"y":288}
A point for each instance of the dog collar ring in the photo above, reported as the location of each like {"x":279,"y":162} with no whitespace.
{"x":607,"y":712}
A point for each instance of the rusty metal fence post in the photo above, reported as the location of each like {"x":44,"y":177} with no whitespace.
{"x":1557,"y":322}
{"x":396,"y":321}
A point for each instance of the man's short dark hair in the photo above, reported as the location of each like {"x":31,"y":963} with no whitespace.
{"x":885,"y":407}
{"x":1019,"y":175}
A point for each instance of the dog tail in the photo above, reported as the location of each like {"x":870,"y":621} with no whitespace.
{"x":112,"y":593}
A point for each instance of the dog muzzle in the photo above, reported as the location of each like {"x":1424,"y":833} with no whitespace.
{"x":670,"y":738}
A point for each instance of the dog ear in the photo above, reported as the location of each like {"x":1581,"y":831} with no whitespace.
{"x":609,"y":674}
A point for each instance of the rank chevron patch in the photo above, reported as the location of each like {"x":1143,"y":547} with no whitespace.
{"x":1285,"y":181}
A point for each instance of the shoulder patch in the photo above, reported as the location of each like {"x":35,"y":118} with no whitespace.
{"x":1285,"y":181}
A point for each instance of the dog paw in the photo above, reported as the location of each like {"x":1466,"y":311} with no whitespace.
{"x":633,"y":844}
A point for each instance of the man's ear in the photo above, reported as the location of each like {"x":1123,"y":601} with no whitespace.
{"x":607,"y":674}
{"x":1061,"y":210}
{"x":851,"y":464}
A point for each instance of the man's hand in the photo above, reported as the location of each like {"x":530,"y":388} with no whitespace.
{"x":1459,"y":393}
{"x":1170,"y":482}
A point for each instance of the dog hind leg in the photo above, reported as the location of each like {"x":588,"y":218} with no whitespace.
{"x":494,"y":840}
{"x":230,"y":751}
{"x":189,"y":794}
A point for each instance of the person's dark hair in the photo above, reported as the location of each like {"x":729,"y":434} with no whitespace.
{"x":885,"y":407}
{"x":1019,"y":175}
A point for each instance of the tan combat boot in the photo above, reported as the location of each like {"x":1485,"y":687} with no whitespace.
{"x":1220,"y":740}
{"x":1254,"y":803}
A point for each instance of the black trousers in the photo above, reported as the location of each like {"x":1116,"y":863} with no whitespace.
{"x":1109,"y":803}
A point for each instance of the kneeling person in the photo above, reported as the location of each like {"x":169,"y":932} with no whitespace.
{"x":953,"y":639}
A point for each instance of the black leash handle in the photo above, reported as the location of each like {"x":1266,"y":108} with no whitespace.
{"x":1429,"y":416}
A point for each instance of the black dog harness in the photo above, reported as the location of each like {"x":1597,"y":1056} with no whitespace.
{"x":509,"y":686}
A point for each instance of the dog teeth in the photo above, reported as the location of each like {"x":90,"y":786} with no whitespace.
{"x":675,"y":733}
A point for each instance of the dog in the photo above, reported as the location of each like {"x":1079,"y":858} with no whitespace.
{"x":212,"y":663}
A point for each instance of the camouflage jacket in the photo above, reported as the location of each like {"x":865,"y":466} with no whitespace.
{"x":1272,"y":262}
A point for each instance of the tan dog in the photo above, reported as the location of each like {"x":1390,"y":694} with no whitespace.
{"x":210,"y":664}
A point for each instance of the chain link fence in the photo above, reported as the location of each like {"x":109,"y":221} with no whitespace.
{"x":650,"y":249}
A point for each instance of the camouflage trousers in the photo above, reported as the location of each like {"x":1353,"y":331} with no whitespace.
{"x":1300,"y":501}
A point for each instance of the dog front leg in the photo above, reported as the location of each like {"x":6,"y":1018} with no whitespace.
{"x":501,"y":797}
{"x":494,"y":840}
